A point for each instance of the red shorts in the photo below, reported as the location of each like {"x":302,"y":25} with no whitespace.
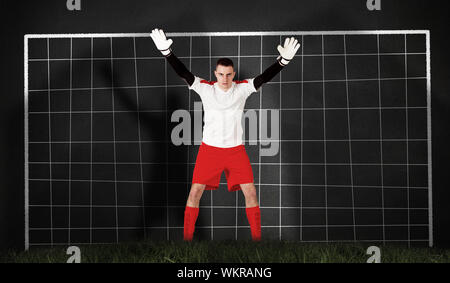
{"x":211,"y":161}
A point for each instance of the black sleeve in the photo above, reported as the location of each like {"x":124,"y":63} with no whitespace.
{"x":180,"y":68}
{"x":268,"y":74}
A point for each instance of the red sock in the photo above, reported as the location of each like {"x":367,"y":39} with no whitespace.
{"x":190,"y":216}
{"x":254,"y":219}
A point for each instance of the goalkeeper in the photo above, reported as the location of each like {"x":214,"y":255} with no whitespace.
{"x":222,"y":147}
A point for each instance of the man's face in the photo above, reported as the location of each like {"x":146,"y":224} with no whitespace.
{"x":224,"y":75}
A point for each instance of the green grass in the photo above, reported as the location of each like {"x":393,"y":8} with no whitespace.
{"x":228,"y":252}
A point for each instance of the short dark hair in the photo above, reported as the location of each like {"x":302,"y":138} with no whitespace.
{"x":225,"y":62}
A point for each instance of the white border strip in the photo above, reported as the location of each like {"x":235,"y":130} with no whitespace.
{"x":26,"y":172}
{"x":266,"y":33}
{"x":261,"y":33}
{"x":430,"y":179}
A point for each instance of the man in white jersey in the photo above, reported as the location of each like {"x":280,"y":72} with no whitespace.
{"x":222,"y":147}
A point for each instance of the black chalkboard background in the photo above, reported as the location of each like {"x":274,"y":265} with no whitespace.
{"x":31,"y":17}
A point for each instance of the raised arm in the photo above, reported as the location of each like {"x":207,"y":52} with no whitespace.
{"x":268,"y":74}
{"x":287,"y":52}
{"x":163,"y":45}
{"x":180,"y":68}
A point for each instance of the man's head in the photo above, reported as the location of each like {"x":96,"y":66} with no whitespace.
{"x":224,"y":73}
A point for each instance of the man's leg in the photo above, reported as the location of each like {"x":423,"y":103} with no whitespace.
{"x":252,"y":209}
{"x":191,"y":212}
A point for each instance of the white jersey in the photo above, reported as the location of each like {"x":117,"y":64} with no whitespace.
{"x":223,"y":111}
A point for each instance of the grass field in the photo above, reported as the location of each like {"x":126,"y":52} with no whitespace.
{"x":228,"y":252}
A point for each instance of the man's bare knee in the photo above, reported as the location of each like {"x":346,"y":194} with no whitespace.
{"x":196,"y":192}
{"x":249,"y":192}
{"x":196,"y":188}
{"x":252,"y":198}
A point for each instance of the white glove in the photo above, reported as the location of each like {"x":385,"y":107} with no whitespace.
{"x":287,"y":51}
{"x":163,"y":44}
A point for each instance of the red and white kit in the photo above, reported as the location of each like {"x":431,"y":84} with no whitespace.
{"x":222,"y":146}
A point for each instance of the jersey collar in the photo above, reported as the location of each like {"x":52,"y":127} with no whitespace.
{"x":225,"y":92}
